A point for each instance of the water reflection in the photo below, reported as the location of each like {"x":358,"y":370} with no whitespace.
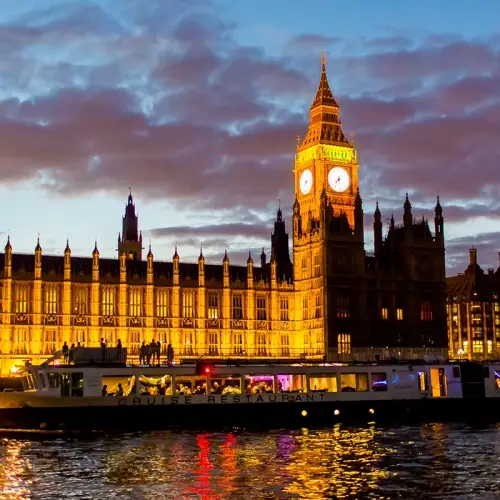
{"x":432,"y":461}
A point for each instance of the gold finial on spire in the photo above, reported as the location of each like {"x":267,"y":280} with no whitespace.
{"x":323,"y":61}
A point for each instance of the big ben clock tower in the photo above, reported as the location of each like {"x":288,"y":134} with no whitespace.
{"x":326,"y":160}
{"x":328,"y":247}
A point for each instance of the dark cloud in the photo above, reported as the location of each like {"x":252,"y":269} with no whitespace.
{"x":486,"y":244}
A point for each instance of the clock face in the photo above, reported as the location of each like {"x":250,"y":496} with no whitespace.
{"x":338,"y":179}
{"x":306,"y":181}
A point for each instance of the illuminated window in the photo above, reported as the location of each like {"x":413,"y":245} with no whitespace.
{"x":135,"y":296}
{"x":21,"y":340}
{"x":108,"y":301}
{"x":489,"y":346}
{"x":477,"y":347}
{"x":284,"y":309}
{"x":343,"y":343}
{"x":343,"y":306}
{"x":399,"y":313}
{"x":21,"y":299}
{"x":285,"y":344}
{"x":317,"y":265}
{"x":50,"y":341}
{"x":80,"y":300}
{"x":162,"y":303}
{"x":238,"y":343}
{"x":261,"y":308}
{"x":237,"y":307}
{"x":465,"y":346}
{"x":385,"y":313}
{"x":426,"y":311}
{"x":261,"y":344}
{"x":317,"y":307}
{"x":213,"y":343}
{"x":497,"y":307}
{"x":213,"y":305}
{"x":50,"y":299}
{"x":304,"y":268}
{"x":188,"y":304}
{"x":305,"y":308}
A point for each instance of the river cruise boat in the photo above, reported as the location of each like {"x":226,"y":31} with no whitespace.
{"x":98,"y":390}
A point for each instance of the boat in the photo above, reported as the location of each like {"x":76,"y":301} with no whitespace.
{"x":100,"y":390}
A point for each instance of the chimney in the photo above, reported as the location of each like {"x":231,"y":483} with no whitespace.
{"x":473,"y":256}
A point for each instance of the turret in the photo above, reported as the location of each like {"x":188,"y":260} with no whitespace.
{"x":297,"y":229}
{"x":225,"y":270}
{"x":8,"y":259}
{"x":130,"y":242}
{"x":38,"y":260}
{"x":377,"y":229}
{"x":95,"y":263}
{"x":176,"y":267}
{"x":149,"y":267}
{"x":407,"y":216}
{"x":250,"y":270}
{"x":201,"y":268}
{"x":439,"y":223}
{"x":263,"y":258}
{"x":279,"y":244}
{"x":67,"y":262}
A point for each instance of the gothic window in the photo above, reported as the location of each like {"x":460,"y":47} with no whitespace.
{"x":108,"y":301}
{"x":162,"y":303}
{"x":284,"y":309}
{"x":21,"y":299}
{"x":134,"y":342}
{"x":399,"y":313}
{"x":135,"y":297}
{"x":50,"y":299}
{"x":317,"y":308}
{"x":237,"y":307}
{"x":261,"y":344}
{"x":50,"y":341}
{"x":80,"y":295}
{"x":304,"y":268}
{"x":426,"y":311}
{"x":305,"y":308}
{"x":343,"y":306}
{"x":238,"y":343}
{"x":188,"y":304}
{"x":285,"y":344}
{"x":261,"y":308}
{"x":21,"y":341}
{"x":213,"y":343}
{"x":385,"y":313}
{"x":317,"y":265}
{"x":213,"y":305}
{"x":344,"y":343}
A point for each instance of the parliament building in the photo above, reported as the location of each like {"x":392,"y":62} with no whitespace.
{"x":331,"y":300}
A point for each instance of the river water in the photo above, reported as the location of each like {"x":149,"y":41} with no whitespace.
{"x":418,"y":462}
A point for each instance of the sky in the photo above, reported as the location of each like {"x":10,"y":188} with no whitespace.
{"x":196,"y":105}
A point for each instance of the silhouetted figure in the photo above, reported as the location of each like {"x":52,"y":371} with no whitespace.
{"x":119,"y":390}
{"x":71,"y":353}
{"x":65,"y":351}
{"x":142,"y":353}
{"x":104,"y":390}
{"x":119,"y":350}
{"x":170,"y":354}
{"x":158,"y":351}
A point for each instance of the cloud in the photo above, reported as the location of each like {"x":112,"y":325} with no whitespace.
{"x":487,"y":245}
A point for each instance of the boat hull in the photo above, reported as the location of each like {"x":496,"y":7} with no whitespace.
{"x":244,"y":415}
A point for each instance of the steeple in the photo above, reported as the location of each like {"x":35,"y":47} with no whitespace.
{"x":324,"y":121}
{"x":407,"y":216}
{"x":377,"y":229}
{"x":130,"y":242}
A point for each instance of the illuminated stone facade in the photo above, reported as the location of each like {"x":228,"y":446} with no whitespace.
{"x":474,"y":312}
{"x":335,"y":300}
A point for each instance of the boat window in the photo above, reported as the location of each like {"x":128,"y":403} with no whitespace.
{"x":354,"y":382}
{"x":497,"y":378}
{"x":65,"y":384}
{"x":257,"y":384}
{"x":77,"y":384}
{"x":118,"y":385}
{"x":379,"y":382}
{"x":225,"y":385}
{"x":153,"y":386}
{"x":323,"y":383}
{"x":292,"y":383}
{"x":438,"y":383}
{"x":185,"y":385}
{"x":54,"y":380}
{"x":423,"y":384}
{"x":43,"y":381}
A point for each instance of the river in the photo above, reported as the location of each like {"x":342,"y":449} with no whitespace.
{"x":418,"y":462}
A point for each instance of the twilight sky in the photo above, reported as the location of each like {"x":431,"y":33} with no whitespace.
{"x":197,"y":104}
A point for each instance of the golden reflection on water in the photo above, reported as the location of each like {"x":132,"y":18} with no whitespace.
{"x":15,"y":471}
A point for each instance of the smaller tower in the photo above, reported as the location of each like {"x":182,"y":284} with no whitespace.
{"x":263,"y":258}
{"x":377,"y":229}
{"x":297,"y":225}
{"x":358,"y":217}
{"x":201,"y":268}
{"x":130,"y":241}
{"x":95,"y":264}
{"x":407,"y":216}
{"x":8,"y":259}
{"x":225,"y":270}
{"x":149,"y":268}
{"x":250,"y":270}
{"x":439,"y":223}
{"x":279,"y":244}
{"x":38,"y":260}
{"x":176,"y":273}
{"x":67,"y":262}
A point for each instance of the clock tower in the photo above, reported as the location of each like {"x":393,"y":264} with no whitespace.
{"x":328,"y":242}
{"x":326,"y":160}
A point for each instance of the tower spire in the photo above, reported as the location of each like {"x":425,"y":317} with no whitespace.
{"x":324,"y":96}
